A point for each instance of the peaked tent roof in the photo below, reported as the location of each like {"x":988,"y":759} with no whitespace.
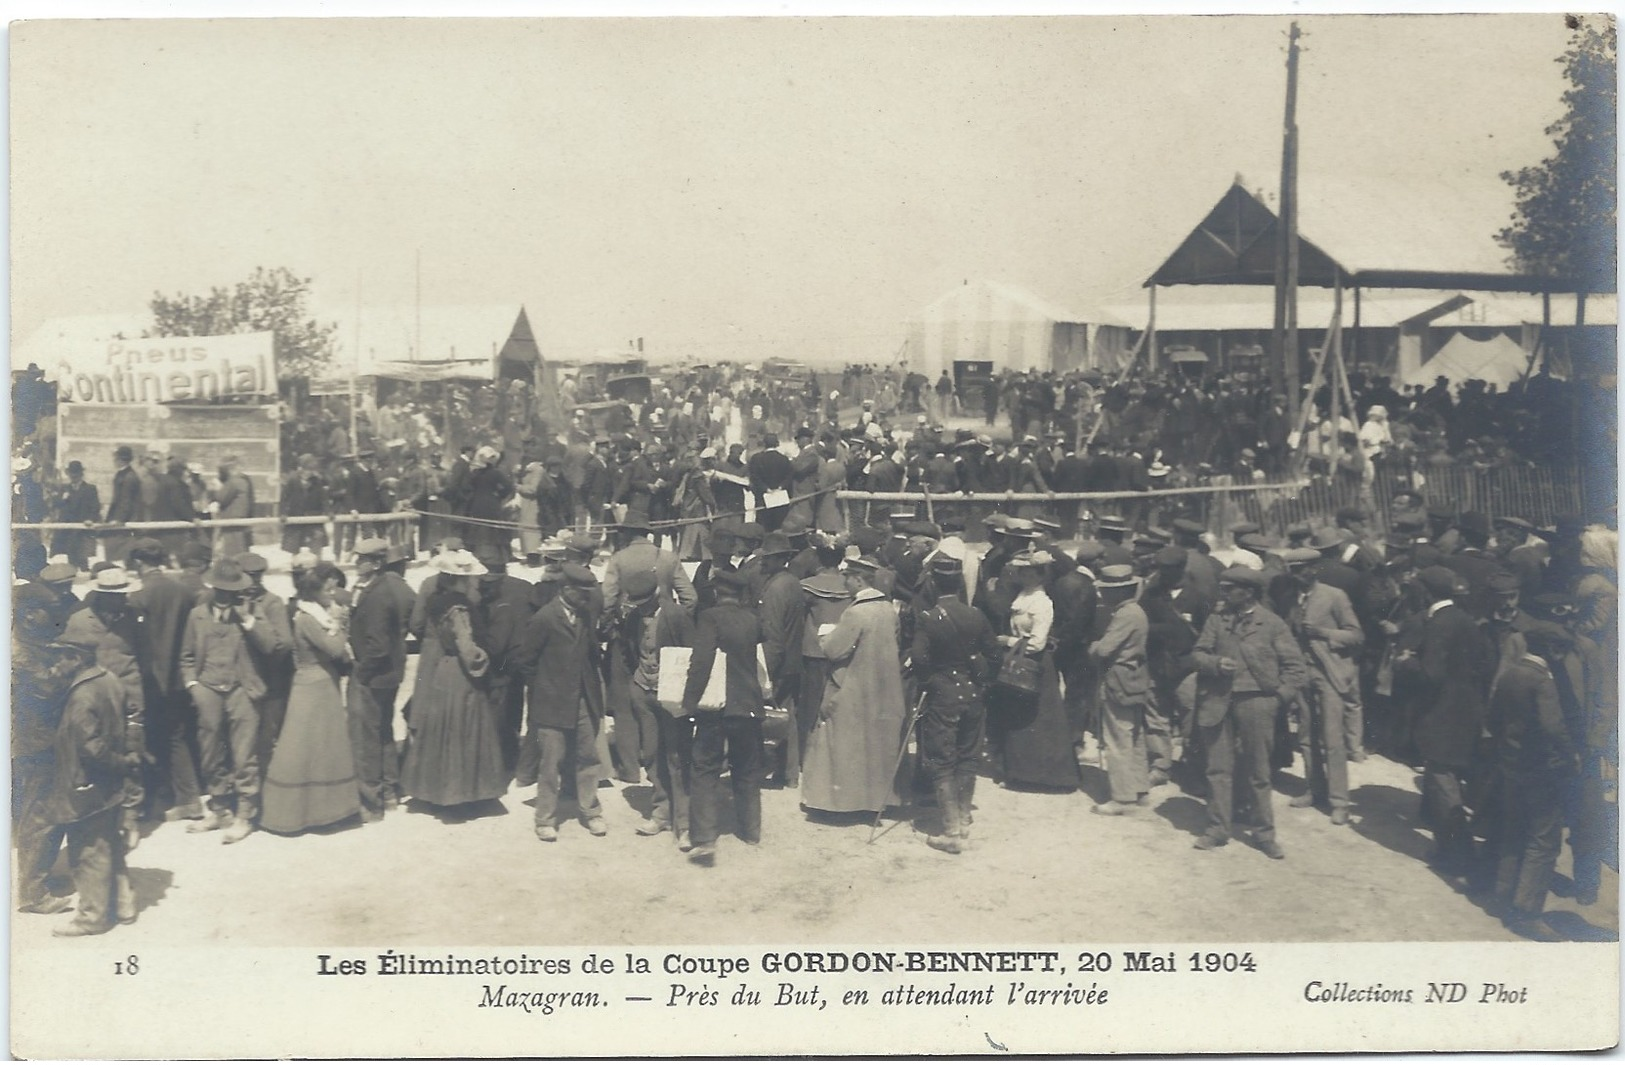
{"x":1380,"y":241}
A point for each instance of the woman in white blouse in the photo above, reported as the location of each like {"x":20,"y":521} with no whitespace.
{"x":1029,"y":731}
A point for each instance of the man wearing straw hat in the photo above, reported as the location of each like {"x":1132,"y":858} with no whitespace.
{"x":1125,"y":690}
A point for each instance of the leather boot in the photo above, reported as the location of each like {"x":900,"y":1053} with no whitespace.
{"x":965,"y":790}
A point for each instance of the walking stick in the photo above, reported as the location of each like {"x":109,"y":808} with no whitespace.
{"x":902,"y":752}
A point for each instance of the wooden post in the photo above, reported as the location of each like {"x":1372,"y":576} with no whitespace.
{"x":1151,"y":334}
{"x":1286,"y":266}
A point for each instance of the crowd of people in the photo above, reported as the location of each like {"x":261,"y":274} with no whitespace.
{"x":820,"y":634}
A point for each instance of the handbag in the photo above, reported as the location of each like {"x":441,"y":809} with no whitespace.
{"x":1019,"y":672}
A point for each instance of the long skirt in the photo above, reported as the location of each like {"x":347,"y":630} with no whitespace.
{"x":311,"y":778}
{"x":455,"y":753}
{"x":1032,"y":735}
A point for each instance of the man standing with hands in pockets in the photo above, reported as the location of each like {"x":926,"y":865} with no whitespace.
{"x":1248,"y":665}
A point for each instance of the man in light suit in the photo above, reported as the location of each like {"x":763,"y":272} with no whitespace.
{"x":1323,"y":620}
{"x":1248,"y":666}
{"x":560,"y":645}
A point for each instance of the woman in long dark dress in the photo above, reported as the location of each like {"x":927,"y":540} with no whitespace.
{"x":454,"y":756}
{"x":1033,"y":733}
{"x":311,"y":777}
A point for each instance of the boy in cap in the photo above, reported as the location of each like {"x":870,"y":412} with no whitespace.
{"x":1248,"y":667}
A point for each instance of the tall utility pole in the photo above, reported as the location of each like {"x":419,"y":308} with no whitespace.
{"x":1284,"y":363}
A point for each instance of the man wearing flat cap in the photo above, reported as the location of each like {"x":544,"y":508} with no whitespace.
{"x":379,"y":620}
{"x":1248,"y":666}
{"x":1449,"y":670}
{"x":1521,"y":552}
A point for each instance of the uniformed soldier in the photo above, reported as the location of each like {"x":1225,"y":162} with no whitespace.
{"x":954,"y":653}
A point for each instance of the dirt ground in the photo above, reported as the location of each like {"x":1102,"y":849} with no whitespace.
{"x":1040,"y":869}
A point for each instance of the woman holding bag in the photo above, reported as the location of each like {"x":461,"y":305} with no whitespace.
{"x":1025,"y":712}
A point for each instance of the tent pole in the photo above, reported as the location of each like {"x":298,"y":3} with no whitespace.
{"x":1151,"y":333}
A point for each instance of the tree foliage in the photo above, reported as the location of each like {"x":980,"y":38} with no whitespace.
{"x":1564,"y":221}
{"x":268,"y":301}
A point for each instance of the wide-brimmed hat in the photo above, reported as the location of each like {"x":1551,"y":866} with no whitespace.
{"x":227,"y":576}
{"x":457,"y":564}
{"x":252,"y":563}
{"x":1326,"y":540}
{"x":1298,"y":556}
{"x":776,"y":543}
{"x":1112,"y":523}
{"x":1116,"y":576}
{"x":1241,"y":575}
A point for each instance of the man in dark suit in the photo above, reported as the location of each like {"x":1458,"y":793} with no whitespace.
{"x":560,"y":646}
{"x":1248,"y":666}
{"x":507,"y":603}
{"x":163,"y":605}
{"x":379,"y":617}
{"x":769,"y":471}
{"x":1450,"y":669}
{"x":125,"y":506}
{"x":733,"y":735}
{"x":76,"y":501}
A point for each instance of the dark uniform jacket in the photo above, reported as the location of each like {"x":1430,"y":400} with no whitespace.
{"x":1527,"y":720}
{"x":783,"y":617}
{"x":955,"y":654}
{"x":78,"y":502}
{"x":734,"y":630}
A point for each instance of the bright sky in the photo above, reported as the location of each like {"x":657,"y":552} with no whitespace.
{"x":731,"y":188}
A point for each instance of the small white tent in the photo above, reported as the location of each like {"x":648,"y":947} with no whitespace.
{"x":1011,"y":328}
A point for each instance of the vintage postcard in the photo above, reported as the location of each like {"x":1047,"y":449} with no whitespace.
{"x":938,"y":534}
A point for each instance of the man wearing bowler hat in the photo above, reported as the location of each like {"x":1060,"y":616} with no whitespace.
{"x":125,"y":504}
{"x":1248,"y":666}
{"x":76,"y":501}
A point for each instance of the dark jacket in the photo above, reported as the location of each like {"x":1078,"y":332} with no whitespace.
{"x":562,"y":661}
{"x":733,"y":629}
{"x":379,"y":619}
{"x":783,"y":616}
{"x":1265,"y":647}
{"x":92,"y":763}
{"x":78,"y":502}
{"x":163,"y":604}
{"x":955,"y":653}
{"x":126,"y":502}
{"x":1453,"y":665}
{"x":1527,"y":721}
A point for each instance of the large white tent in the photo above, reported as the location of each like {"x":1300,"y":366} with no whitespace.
{"x":1011,"y":328}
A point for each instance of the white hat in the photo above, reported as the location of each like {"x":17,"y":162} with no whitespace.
{"x":457,"y":564}
{"x":709,"y":453}
{"x":114,"y":579}
{"x":21,"y":463}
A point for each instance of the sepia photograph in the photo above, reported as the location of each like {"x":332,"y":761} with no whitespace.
{"x":943,"y":533}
